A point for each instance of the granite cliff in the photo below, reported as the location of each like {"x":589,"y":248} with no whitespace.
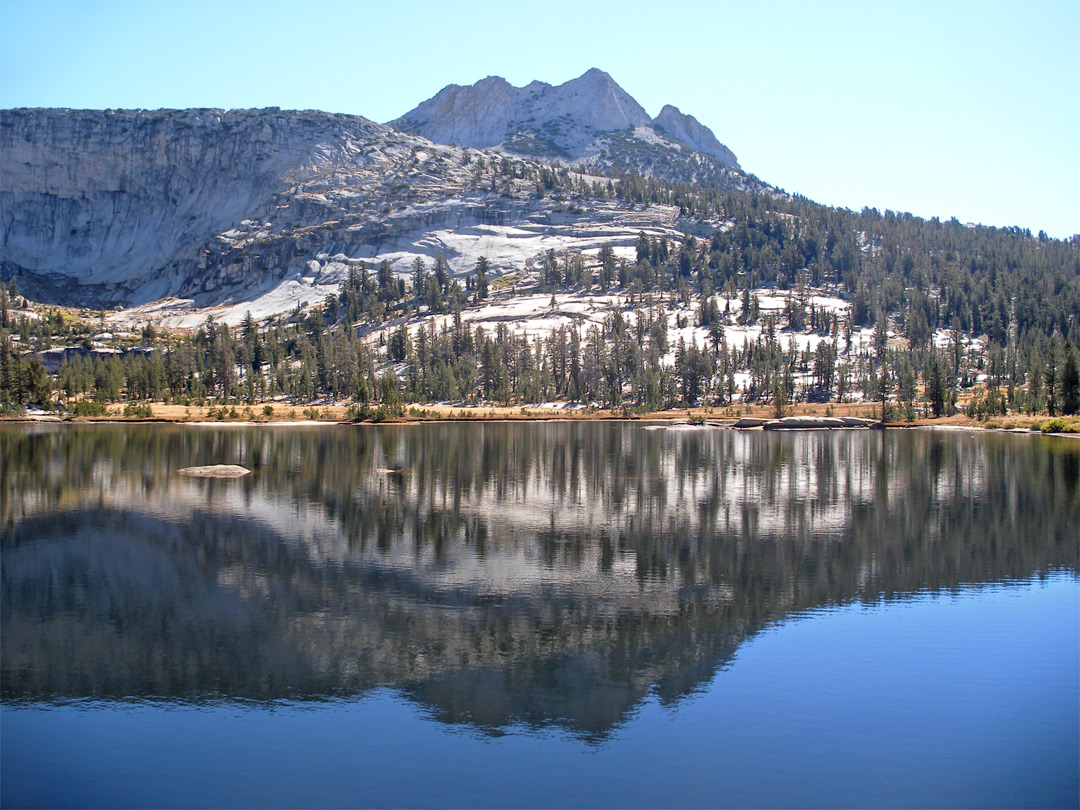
{"x":122,"y":207}
{"x":178,"y":211}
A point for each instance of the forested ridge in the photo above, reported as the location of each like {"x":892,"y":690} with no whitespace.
{"x":937,"y":315}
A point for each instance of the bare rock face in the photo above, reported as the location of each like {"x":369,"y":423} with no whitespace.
{"x":558,"y":121}
{"x":264,"y":210}
{"x":591,"y":103}
{"x":118,"y":206}
{"x":567,"y":122}
{"x":476,"y":116}
{"x":686,"y":129}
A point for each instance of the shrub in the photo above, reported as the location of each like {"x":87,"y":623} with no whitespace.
{"x":1060,"y":426}
{"x":139,"y":411}
{"x":87,"y":407}
{"x":384,"y":412}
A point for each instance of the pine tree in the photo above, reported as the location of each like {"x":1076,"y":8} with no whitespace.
{"x":1052,"y":377}
{"x":481,"y":282}
{"x":936,"y":384}
{"x":1070,"y":380}
{"x":419,"y":277}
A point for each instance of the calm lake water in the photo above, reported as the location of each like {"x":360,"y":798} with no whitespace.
{"x":474,"y":615}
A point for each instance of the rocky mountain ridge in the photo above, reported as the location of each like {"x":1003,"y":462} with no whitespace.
{"x":567,"y":122}
{"x":267,"y":209}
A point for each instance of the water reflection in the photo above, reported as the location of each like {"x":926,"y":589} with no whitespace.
{"x":498,"y":573}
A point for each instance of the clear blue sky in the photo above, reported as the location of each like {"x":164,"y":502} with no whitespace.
{"x":965,"y":109}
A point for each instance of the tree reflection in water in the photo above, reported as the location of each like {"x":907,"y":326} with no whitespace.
{"x":499,"y":573}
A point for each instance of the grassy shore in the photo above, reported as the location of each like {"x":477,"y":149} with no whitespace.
{"x":278,"y":413}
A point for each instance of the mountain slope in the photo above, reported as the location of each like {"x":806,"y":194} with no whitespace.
{"x":573,"y":121}
{"x":265,"y":209}
{"x":270,"y":208}
{"x":492,"y":111}
{"x":119,"y":206}
{"x":687,"y":130}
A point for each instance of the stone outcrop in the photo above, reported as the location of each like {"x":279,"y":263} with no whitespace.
{"x":815,"y":423}
{"x":492,"y":112}
{"x":749,"y":422}
{"x":803,"y":423}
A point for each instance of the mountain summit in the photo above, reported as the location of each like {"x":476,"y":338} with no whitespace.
{"x":590,"y":118}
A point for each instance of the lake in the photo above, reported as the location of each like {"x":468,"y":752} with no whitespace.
{"x":587,"y":614}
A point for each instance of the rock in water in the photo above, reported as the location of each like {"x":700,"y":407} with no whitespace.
{"x":750,"y":422}
{"x":216,"y":471}
{"x":804,"y":423}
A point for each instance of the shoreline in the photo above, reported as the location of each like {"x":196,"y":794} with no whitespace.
{"x":713,"y":417}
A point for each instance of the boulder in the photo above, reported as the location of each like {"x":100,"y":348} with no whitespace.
{"x":750,"y":422}
{"x":804,"y":423}
{"x":216,"y":471}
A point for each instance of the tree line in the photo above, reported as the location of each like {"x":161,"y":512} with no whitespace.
{"x":620,"y":363}
{"x":936,"y":285}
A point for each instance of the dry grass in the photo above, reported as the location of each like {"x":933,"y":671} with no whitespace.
{"x":339,"y":413}
{"x":285,"y":413}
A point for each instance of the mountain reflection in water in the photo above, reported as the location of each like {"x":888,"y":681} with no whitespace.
{"x":497,"y":573}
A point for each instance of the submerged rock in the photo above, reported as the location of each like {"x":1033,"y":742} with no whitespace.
{"x":216,"y":471}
